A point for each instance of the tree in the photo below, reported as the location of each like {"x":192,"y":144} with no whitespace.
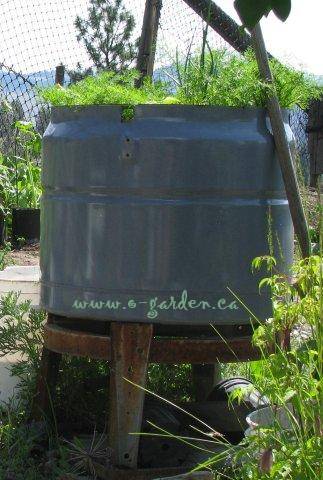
{"x":106,"y":34}
{"x":251,"y":11}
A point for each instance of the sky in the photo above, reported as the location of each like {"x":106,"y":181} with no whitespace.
{"x":39,"y":34}
{"x":299,"y":40}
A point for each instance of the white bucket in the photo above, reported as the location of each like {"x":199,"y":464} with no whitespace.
{"x":23,"y":280}
{"x":267,"y":417}
{"x":8,"y":383}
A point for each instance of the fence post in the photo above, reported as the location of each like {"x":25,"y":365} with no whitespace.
{"x":148,"y":39}
{"x":315,"y":141}
{"x":59,"y":75}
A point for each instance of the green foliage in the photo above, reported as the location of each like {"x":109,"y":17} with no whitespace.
{"x":171,"y":381}
{"x":216,"y":78}
{"x":251,"y":11}
{"x":290,"y":378}
{"x":20,"y":184}
{"x":106,"y":34}
{"x":292,"y":302}
{"x":223,"y":78}
{"x":3,"y":255}
{"x":106,"y":88}
{"x":21,"y":331}
{"x":19,"y":172}
{"x":23,"y":452}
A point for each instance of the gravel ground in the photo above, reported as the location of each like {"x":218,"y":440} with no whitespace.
{"x":28,"y":255}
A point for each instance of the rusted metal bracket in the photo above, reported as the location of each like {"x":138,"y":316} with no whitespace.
{"x":129,"y":347}
{"x":163,"y":349}
{"x":46,"y":384}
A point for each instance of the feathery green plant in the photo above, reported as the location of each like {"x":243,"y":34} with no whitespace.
{"x":216,"y":77}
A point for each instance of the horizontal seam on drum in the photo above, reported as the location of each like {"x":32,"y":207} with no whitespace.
{"x":48,"y":283}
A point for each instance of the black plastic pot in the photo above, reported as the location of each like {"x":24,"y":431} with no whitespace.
{"x":26,"y":225}
{"x":1,"y":228}
{"x":236,"y":410}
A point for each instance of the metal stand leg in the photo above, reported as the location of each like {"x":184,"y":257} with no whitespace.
{"x":46,"y":383}
{"x":130,"y":345}
{"x":205,"y":376}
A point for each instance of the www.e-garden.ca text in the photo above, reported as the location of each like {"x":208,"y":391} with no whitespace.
{"x":154,"y":305}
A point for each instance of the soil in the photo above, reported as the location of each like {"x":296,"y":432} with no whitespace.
{"x":27,"y":255}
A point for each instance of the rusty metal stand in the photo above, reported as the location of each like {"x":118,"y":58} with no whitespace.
{"x":129,"y":347}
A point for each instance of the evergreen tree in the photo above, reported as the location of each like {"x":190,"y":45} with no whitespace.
{"x":106,"y":34}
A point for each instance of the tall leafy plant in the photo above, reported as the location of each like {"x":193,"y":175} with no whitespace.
{"x":19,"y":171}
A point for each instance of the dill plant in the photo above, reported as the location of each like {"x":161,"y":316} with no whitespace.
{"x":106,"y":88}
{"x":221,"y":77}
{"x":218,"y":77}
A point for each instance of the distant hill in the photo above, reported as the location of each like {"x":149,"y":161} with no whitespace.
{"x":14,"y":82}
{"x":20,"y":87}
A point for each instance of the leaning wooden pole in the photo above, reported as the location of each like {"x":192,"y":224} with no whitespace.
{"x":222,"y":23}
{"x":148,"y":39}
{"x":282,"y":146}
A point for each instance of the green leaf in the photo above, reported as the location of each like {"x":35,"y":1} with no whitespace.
{"x":251,"y":11}
{"x":281,"y":8}
{"x":23,"y":126}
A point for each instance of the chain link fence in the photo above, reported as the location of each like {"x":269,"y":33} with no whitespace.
{"x":38,"y":35}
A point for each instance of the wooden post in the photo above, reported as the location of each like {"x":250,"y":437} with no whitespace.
{"x":148,"y":39}
{"x":130,"y":346}
{"x":59,"y":75}
{"x":282,"y":146}
{"x":315,"y":141}
{"x":222,"y":23}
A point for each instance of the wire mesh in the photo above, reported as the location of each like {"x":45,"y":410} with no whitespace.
{"x":38,"y":35}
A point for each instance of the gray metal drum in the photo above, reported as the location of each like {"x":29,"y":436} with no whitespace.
{"x":158,"y":219}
